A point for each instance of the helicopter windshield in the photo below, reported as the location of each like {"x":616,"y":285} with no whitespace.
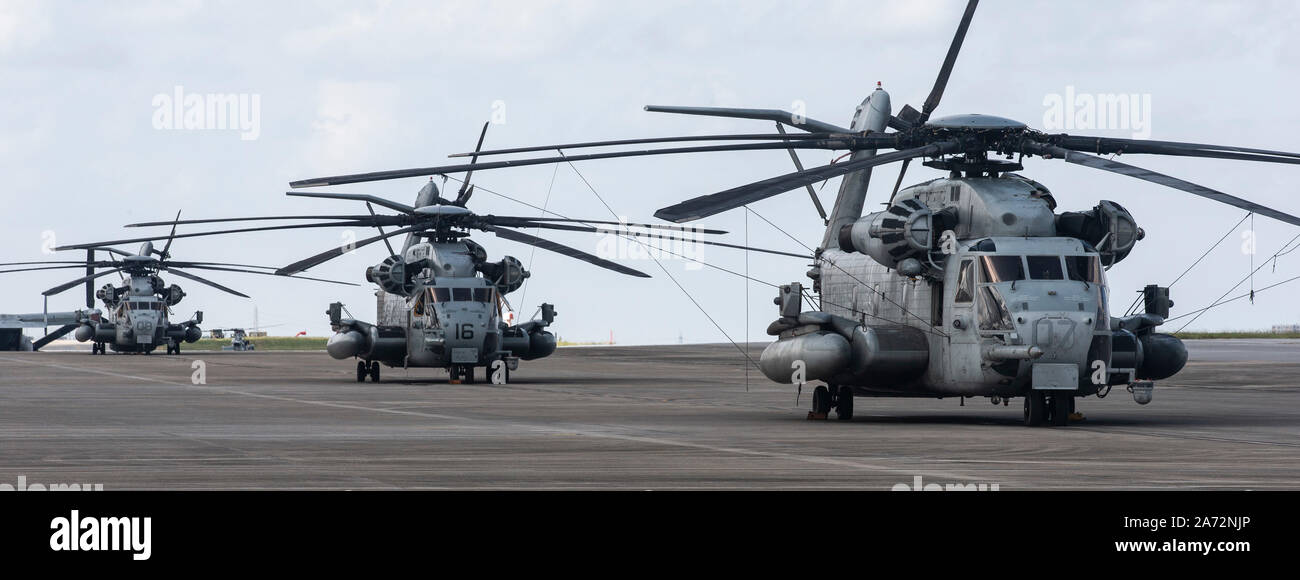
{"x":1002,"y":268}
{"x":1083,"y":268}
{"x":463,"y":295}
{"x":1045,"y":267}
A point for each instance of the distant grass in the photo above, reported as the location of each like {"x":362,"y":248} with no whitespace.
{"x":573,"y":343}
{"x":1236,"y":334}
{"x":262,"y":343}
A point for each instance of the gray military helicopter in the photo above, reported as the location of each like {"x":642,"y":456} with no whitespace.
{"x":139,"y":310}
{"x":441,"y":303}
{"x":970,"y":285}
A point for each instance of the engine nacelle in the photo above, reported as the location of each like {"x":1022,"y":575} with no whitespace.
{"x":174,"y":295}
{"x":110,"y":294}
{"x":1108,"y":227}
{"x":508,"y":274}
{"x":907,"y":230}
{"x":393,"y":275}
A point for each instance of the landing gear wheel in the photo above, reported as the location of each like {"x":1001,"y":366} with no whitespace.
{"x":1035,"y":408}
{"x":469,"y":374}
{"x":1062,"y":404}
{"x":844,"y":404}
{"x":362,"y":370}
{"x":453,"y":374}
{"x":374,"y":371}
{"x":821,"y":401}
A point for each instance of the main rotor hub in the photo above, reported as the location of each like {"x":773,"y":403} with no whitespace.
{"x":976,"y":121}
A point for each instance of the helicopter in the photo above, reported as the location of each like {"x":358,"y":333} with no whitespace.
{"x":238,"y":339}
{"x":441,"y":303}
{"x":139,"y":310}
{"x":969,"y":285}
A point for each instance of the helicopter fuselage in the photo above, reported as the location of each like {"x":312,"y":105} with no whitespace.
{"x":436,"y":310}
{"x":971,"y":286}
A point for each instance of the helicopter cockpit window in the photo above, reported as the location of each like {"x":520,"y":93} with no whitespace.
{"x":441,"y":295}
{"x":1002,"y":268}
{"x":482,"y":294}
{"x":1044,"y":267}
{"x":461,"y":294}
{"x":1083,"y":268}
{"x":993,"y":313}
{"x":966,"y":282}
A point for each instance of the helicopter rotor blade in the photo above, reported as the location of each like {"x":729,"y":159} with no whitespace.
{"x":658,"y":236}
{"x":902,"y":170}
{"x":379,"y":201}
{"x":686,"y":138}
{"x":221,"y":269}
{"x":1114,"y":145}
{"x":43,"y":262}
{"x":332,"y":253}
{"x":166,"y":247}
{"x":366,"y":223}
{"x":708,"y":205}
{"x":205,"y":281}
{"x":387,"y":244}
{"x":1050,"y":151}
{"x":567,"y":251}
{"x":798,"y":166}
{"x":83,"y":279}
{"x":37,"y":268}
{"x":945,"y":71}
{"x":466,"y":189}
{"x":512,"y":221}
{"x":874,"y":141}
{"x":252,"y":218}
{"x":798,"y":121}
{"x":909,"y":115}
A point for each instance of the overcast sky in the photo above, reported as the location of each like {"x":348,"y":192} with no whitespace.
{"x":364,"y":86}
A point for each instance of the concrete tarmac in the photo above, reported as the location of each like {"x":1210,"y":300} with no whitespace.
{"x":665,"y":417}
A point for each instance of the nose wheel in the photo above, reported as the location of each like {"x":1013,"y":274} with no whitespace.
{"x":1062,"y":405}
{"x":1035,"y":408}
{"x":458,"y":374}
{"x":1055,"y":409}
